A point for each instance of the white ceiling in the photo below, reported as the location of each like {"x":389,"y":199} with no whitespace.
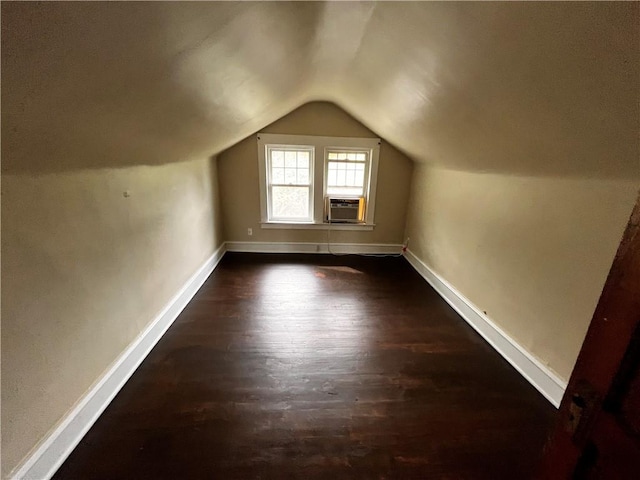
{"x":517,"y":88}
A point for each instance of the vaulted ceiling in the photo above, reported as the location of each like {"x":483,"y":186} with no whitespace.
{"x":516,"y":88}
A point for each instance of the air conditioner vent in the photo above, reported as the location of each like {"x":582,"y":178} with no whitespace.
{"x":345,"y":210}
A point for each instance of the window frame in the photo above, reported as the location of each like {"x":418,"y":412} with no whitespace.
{"x":270,"y":184}
{"x":367,"y":168}
{"x":320,"y":146}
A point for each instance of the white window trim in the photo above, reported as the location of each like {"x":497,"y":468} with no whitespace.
{"x":320,"y":144}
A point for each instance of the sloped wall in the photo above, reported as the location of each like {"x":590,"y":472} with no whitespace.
{"x":95,"y":103}
{"x":532,"y":252}
{"x":85,"y":268}
{"x":239,"y":182}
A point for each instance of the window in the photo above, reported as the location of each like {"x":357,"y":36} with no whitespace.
{"x":290,"y":183}
{"x":298,"y":173}
{"x":346,"y":171}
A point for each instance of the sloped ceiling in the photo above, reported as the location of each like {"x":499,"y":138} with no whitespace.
{"x":516,"y":88}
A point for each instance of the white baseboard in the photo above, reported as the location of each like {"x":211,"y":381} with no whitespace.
{"x":300,"y":247}
{"x":58,"y":445}
{"x":540,"y":376}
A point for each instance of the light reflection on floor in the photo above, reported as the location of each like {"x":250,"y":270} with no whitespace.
{"x":288,"y":296}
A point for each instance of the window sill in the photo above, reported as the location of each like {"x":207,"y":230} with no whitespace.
{"x":318,"y":226}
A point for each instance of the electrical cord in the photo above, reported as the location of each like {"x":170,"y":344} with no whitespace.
{"x":380,"y":255}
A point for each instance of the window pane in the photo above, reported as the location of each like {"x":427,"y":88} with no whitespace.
{"x":351,"y":156}
{"x":333,"y":156}
{"x":303,"y":159}
{"x":341,"y":177}
{"x":290,"y":175}
{"x":303,"y":176}
{"x":290,"y":202}
{"x":331,"y":176}
{"x":360,"y":177}
{"x":332,"y":173}
{"x":277,"y":158}
{"x":277,"y":175}
{"x":290,"y":159}
{"x":361,"y":157}
{"x":342,"y":156}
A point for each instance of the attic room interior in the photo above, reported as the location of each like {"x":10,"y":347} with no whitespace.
{"x":319,"y":239}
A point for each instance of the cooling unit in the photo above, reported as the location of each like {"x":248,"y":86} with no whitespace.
{"x":345,"y":210}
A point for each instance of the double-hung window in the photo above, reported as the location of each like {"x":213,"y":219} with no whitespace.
{"x":290,"y":183}
{"x":299,"y":173}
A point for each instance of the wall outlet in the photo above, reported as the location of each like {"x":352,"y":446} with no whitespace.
{"x":249,"y":231}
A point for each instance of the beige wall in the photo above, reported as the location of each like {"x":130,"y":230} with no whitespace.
{"x":93,"y":90}
{"x":239,"y":182}
{"x":532,"y":252}
{"x":84,"y":270}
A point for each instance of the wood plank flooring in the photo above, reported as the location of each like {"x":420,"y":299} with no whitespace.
{"x":318,"y":366}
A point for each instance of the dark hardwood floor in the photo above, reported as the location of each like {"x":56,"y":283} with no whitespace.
{"x":315,"y":366}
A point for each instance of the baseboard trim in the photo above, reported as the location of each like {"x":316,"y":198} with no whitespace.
{"x":321,"y":248}
{"x":540,"y":376}
{"x":58,"y":445}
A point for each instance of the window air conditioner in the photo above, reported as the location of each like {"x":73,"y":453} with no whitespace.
{"x":345,"y":210}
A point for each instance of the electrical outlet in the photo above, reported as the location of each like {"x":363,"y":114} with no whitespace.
{"x":249,"y":231}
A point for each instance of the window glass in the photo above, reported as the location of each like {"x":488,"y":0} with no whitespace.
{"x":346,"y":173}
{"x":289,"y":184}
{"x":290,"y":202}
